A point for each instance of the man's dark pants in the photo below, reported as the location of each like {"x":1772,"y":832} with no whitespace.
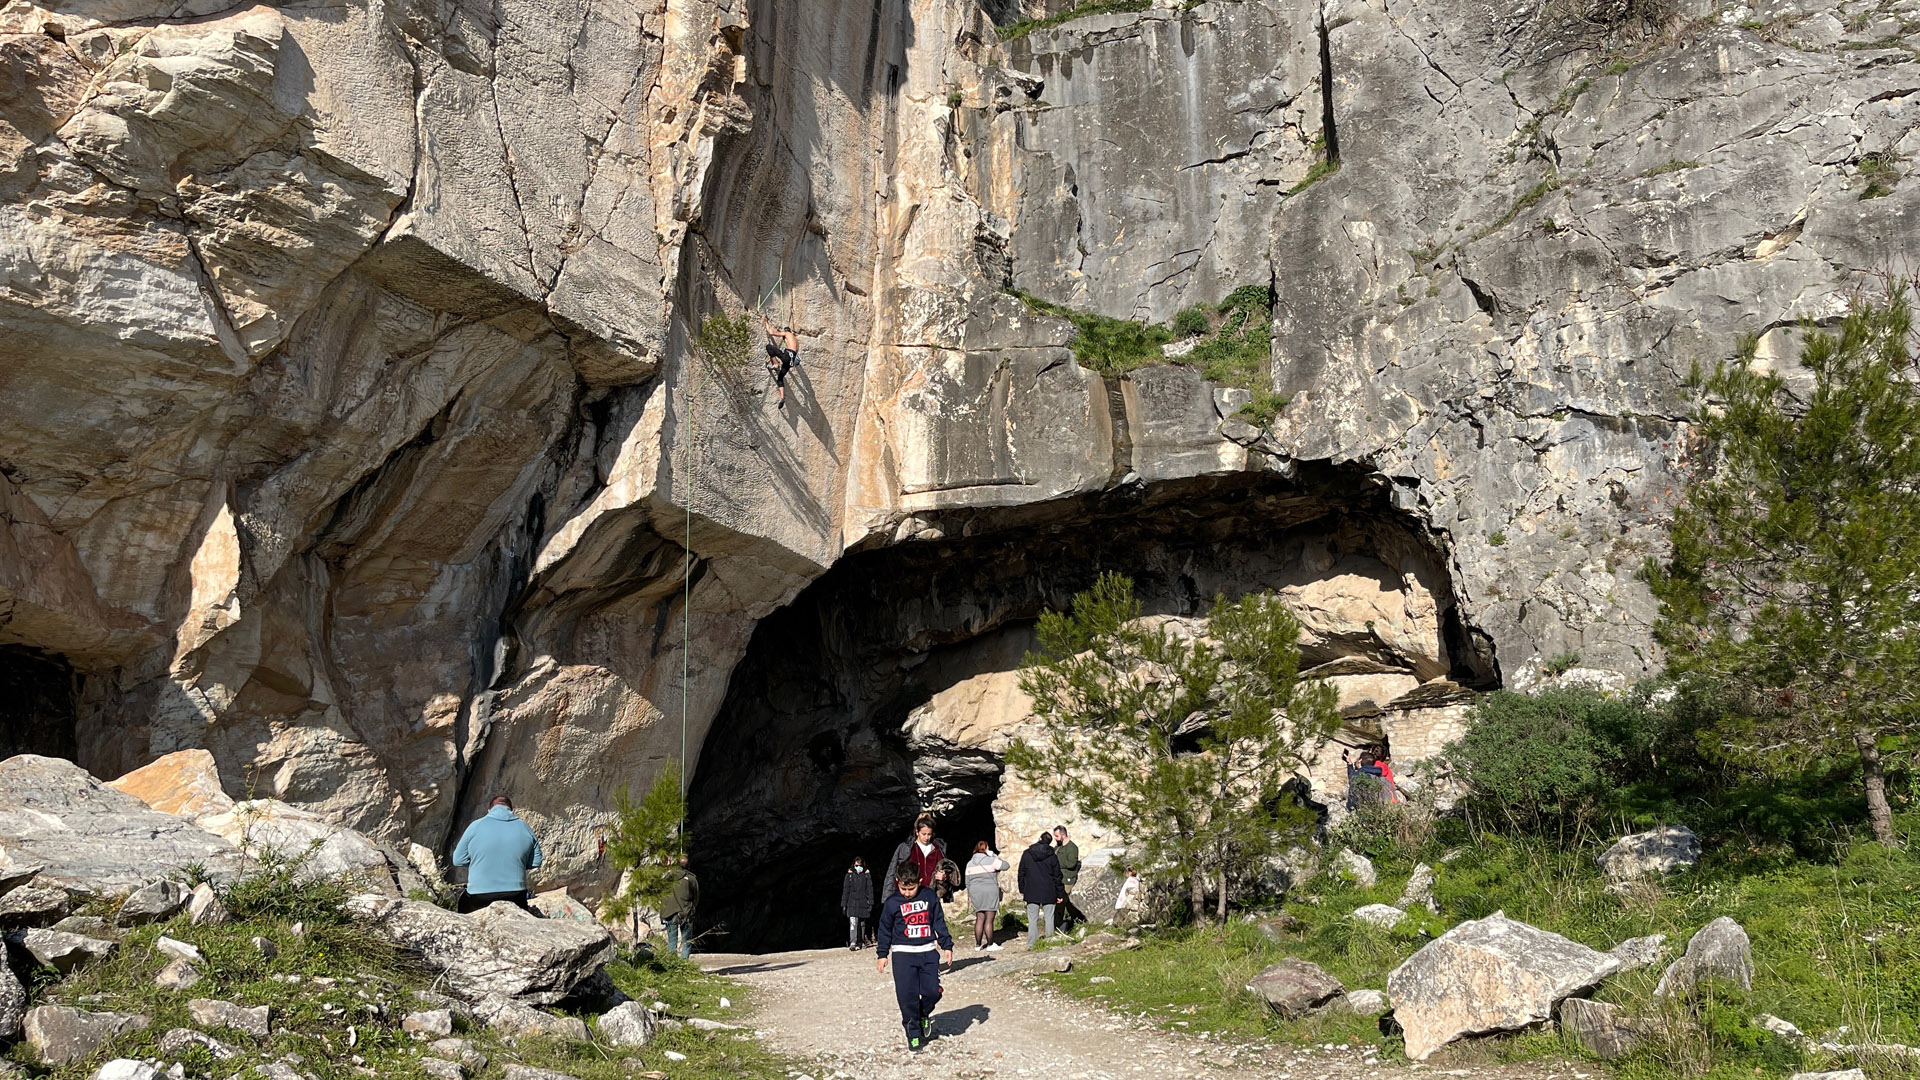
{"x":472,"y":902}
{"x":916,"y":984}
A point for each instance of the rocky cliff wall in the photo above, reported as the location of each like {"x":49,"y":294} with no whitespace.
{"x":352,"y":428}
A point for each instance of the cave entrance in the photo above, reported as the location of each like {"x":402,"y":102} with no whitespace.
{"x":889,"y":685}
{"x":38,"y":712}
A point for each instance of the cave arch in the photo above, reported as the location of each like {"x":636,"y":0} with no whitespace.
{"x":810,"y":759}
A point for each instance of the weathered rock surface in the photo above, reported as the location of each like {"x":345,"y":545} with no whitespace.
{"x":185,"y":783}
{"x":627,"y":1024}
{"x":1640,"y":952}
{"x":256,"y":1021}
{"x":178,"y":1040}
{"x":1294,"y":987}
{"x":128,"y":1069}
{"x":60,"y":951}
{"x":1601,"y":1029}
{"x":204,"y":907}
{"x":1419,"y":889}
{"x":13,"y":1003}
{"x":1354,"y":867}
{"x":1384,"y":916}
{"x":1488,"y":975}
{"x":514,"y":1018}
{"x":497,"y":951}
{"x":1718,"y":950}
{"x":1363,"y":1002}
{"x":1656,"y":851}
{"x":322,"y":848}
{"x":33,"y":906}
{"x":90,"y":838}
{"x":153,"y":902}
{"x":64,"y":1035}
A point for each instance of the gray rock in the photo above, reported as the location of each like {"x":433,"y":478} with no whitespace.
{"x":441,"y":1069}
{"x":459,"y":1050}
{"x":1640,"y":952}
{"x":1419,"y":889}
{"x":630,"y":1024}
{"x":528,"y":1072}
{"x":430,"y":1023}
{"x":90,"y":925}
{"x":210,"y":1012}
{"x":177,"y":975}
{"x":1354,"y":867}
{"x":701,"y":1023}
{"x":265,"y":947}
{"x":178,"y":950}
{"x":499,"y":950}
{"x":13,"y":1003}
{"x":204,"y":907}
{"x":1602,"y":1029}
{"x":1362,"y":1003}
{"x":1294,"y":987}
{"x":60,"y":951}
{"x":154,"y":902}
{"x":1785,"y":1029}
{"x":1719,"y":950}
{"x":1488,"y":975}
{"x":514,"y":1018}
{"x":128,"y":1069}
{"x":176,"y":1042}
{"x":1831,"y":1074}
{"x":91,"y":838}
{"x":1656,"y":851}
{"x":1384,"y":916}
{"x":34,"y":905}
{"x":1279,"y":928}
{"x":64,"y":1035}
{"x":14,"y":876}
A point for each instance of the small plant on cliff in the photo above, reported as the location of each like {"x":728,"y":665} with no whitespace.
{"x":1180,"y":743}
{"x":1790,"y":592}
{"x":645,"y":843}
{"x":1081,"y":11}
{"x":726,"y":341}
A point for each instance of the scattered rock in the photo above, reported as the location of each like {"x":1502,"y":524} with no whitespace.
{"x":64,"y":1035}
{"x":460,"y":1050}
{"x":13,"y":1003}
{"x":204,"y":907}
{"x":177,"y":975}
{"x":513,"y":1019}
{"x":630,"y":1024}
{"x":1834,"y":1074}
{"x":1486,"y":975}
{"x":1063,"y":964}
{"x":1603,"y":1030}
{"x":13,"y":876}
{"x":499,"y":950}
{"x":1384,"y":916}
{"x":1720,"y":950}
{"x":668,"y":1054}
{"x":153,"y":902}
{"x":528,"y":1072}
{"x":176,"y":1042}
{"x":441,"y":1069}
{"x":1640,"y":952}
{"x":209,"y":1012}
{"x":431,"y":1023}
{"x":1362,"y":1002}
{"x":1294,"y":987}
{"x":1419,"y":889}
{"x":128,"y":1069}
{"x":89,"y":925}
{"x":1278,"y":928}
{"x":698,"y":1023}
{"x":91,"y":838}
{"x":178,"y":949}
{"x":1656,"y":851}
{"x":1782,"y":1028}
{"x":265,"y":947}
{"x":34,"y":905}
{"x":59,"y":950}
{"x":1355,"y":867}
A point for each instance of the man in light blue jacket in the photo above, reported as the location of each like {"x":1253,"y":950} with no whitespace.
{"x":498,"y":850}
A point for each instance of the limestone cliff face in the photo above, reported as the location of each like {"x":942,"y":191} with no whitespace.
{"x":350,"y":426}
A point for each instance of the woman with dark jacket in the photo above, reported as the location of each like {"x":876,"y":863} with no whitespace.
{"x":856,"y":900}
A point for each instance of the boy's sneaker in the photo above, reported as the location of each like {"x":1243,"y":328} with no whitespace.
{"x":915,"y":1045}
{"x":926,"y":1028}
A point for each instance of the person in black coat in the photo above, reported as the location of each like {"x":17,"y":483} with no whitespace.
{"x":1041,"y":886}
{"x":856,"y":901}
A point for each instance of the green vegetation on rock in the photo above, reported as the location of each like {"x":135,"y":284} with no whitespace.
{"x":1097,"y":7}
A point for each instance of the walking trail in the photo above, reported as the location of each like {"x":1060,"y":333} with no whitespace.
{"x":833,"y":1012}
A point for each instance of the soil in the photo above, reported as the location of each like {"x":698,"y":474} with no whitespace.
{"x":835,"y":1014}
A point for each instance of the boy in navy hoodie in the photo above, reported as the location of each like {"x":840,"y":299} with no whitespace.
{"x":912,"y":925}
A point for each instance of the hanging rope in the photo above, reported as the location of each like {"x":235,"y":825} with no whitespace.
{"x":686,"y":590}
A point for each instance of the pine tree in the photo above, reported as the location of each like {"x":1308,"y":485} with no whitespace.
{"x":1179,"y":743}
{"x":1793,"y":584}
{"x":645,"y":841}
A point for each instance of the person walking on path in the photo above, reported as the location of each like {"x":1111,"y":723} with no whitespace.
{"x":1041,"y":887}
{"x":983,"y":892}
{"x":1068,"y":853}
{"x":856,"y":900}
{"x":922,"y":850}
{"x":783,"y":351}
{"x":497,"y":849}
{"x":677,"y":912}
{"x":911,"y":926}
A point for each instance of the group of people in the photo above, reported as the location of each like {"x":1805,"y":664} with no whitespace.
{"x":1371,"y":780}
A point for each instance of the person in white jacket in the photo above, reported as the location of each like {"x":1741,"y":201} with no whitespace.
{"x":983,"y":891}
{"x":1126,"y":904}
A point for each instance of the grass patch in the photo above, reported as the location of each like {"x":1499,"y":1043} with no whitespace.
{"x":1264,"y":409}
{"x":1320,"y":170}
{"x":1232,"y":351}
{"x":1098,"y":7}
{"x":1530,"y":199}
{"x":1880,"y":173}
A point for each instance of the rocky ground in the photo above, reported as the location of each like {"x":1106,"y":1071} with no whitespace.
{"x":831,"y":1010}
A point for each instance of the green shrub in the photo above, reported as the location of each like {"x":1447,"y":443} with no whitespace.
{"x":1264,"y":409}
{"x":1192,"y":322}
{"x":1234,"y":351}
{"x":726,"y":341}
{"x":1096,"y":7}
{"x":281,"y":888}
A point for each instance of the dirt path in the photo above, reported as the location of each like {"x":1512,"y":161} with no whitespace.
{"x":834,"y":1012}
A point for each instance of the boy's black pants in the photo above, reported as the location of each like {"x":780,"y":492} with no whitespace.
{"x":916,"y":983}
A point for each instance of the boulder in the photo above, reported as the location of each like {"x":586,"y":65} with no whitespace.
{"x":1294,"y":987}
{"x":179,"y":1040}
{"x":1384,"y":916}
{"x":153,"y":902}
{"x":89,"y":925}
{"x":441,"y":1069}
{"x":1640,"y":952}
{"x":1719,"y":950}
{"x":90,"y":838}
{"x":177,"y":975}
{"x":204,"y":907}
{"x":459,"y":1050}
{"x":1656,"y":851}
{"x":1279,"y":928}
{"x":13,"y":1004}
{"x":1361,"y":1003}
{"x":1487,"y":975}
{"x":1599,"y":1028}
{"x":12,"y":877}
{"x":498,"y":950}
{"x":627,"y":1025}
{"x":35,"y":905}
{"x":185,"y":783}
{"x":1354,"y":867}
{"x":1419,"y":889}
{"x":560,"y":904}
{"x":64,"y":1035}
{"x":264,"y":827}
{"x":428,"y":1023}
{"x":128,"y":1069}
{"x":177,"y":949}
{"x":60,"y":951}
{"x":1101,"y":873}
{"x":515,"y":1018}
{"x":209,"y":1012}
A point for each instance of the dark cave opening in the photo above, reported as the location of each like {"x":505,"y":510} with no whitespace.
{"x":820,"y":750}
{"x":38,"y":709}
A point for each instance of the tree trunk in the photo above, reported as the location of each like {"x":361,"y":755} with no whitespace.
{"x":1879,"y":814}
{"x":1199,"y":897}
{"x":1222,"y":910}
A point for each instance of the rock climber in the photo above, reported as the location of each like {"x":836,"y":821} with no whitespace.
{"x":498,"y":849}
{"x":783,"y":351}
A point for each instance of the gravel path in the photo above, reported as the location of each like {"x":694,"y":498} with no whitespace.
{"x":831,"y":1010}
